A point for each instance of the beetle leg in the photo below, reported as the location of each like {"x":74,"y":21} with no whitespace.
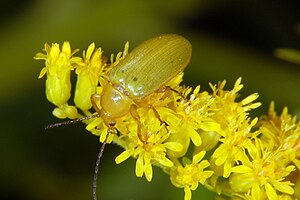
{"x":164,"y":88}
{"x":142,"y":104}
{"x":136,"y":116}
{"x":94,"y":99}
{"x":108,"y":120}
{"x":158,"y":117}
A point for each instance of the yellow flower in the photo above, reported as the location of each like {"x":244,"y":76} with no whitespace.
{"x":150,"y":147}
{"x":236,"y":128}
{"x":281,"y":131}
{"x":120,"y":56}
{"x":87,"y":77}
{"x":235,"y":139}
{"x":193,"y":114}
{"x":261,"y":174}
{"x":59,"y":63}
{"x":97,"y":127}
{"x":191,"y":174}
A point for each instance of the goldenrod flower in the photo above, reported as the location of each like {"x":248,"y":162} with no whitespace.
{"x":150,"y":147}
{"x":88,"y":74}
{"x":248,"y":158}
{"x":236,"y":127}
{"x":191,"y":174}
{"x":261,"y":174}
{"x":59,"y":63}
{"x":281,"y":132}
{"x":193,"y":114}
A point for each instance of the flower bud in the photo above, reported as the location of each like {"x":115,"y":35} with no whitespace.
{"x":209,"y":140}
{"x":83,"y":92}
{"x":58,"y":87}
{"x":182,"y":139}
{"x":58,"y":65}
{"x":65,"y":111}
{"x":88,"y":73}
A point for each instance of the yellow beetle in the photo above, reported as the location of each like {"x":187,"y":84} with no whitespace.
{"x":145,"y":70}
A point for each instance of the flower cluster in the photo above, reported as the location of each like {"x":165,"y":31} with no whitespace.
{"x":196,"y":137}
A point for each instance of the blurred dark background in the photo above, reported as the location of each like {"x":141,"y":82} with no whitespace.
{"x":230,"y":39}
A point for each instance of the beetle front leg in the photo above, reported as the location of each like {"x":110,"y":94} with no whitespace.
{"x":94,"y":99}
{"x":108,"y":120}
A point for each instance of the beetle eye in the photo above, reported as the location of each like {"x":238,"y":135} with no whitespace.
{"x":112,"y":123}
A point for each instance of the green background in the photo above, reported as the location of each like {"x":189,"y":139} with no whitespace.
{"x":230,"y":39}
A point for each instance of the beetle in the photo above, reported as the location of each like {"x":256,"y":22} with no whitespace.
{"x":143,"y":71}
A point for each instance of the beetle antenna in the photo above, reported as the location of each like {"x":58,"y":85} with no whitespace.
{"x":97,"y":168}
{"x":70,"y":121}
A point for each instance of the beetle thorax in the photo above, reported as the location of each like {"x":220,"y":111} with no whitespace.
{"x":114,"y":101}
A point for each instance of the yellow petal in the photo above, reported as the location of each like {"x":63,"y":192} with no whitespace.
{"x":283,"y":187}
{"x":148,"y":169}
{"x":255,"y":191}
{"x":271,"y":193}
{"x":90,"y":51}
{"x":139,"y":167}
{"x":93,"y":124}
{"x":195,"y":137}
{"x":210,"y":126}
{"x":241,"y":169}
{"x":123,"y":156}
{"x":198,"y":157}
{"x":250,"y":99}
{"x":165,"y":161}
{"x":187,"y":193}
{"x":227,"y":169}
{"x":173,"y":146}
{"x":43,"y":72}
